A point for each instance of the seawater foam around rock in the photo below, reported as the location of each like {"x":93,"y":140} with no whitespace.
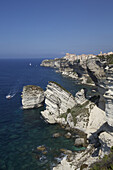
{"x":32,"y":97}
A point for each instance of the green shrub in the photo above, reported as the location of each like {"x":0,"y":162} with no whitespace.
{"x":107,"y":58}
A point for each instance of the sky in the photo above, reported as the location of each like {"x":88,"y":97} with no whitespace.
{"x":53,"y":27}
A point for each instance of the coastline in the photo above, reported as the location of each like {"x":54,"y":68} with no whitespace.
{"x":78,"y":112}
{"x":97,"y":72}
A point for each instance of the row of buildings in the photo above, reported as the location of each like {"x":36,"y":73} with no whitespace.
{"x":105,"y":54}
{"x":83,"y":57}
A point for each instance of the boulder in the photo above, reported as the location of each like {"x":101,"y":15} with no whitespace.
{"x":56,"y":135}
{"x":68,"y":135}
{"x":41,"y":148}
{"x":32,"y":97}
{"x":79,"y":142}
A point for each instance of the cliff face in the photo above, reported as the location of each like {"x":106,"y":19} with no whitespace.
{"x":32,"y":97}
{"x":98,"y":75}
{"x":51,"y":63}
{"x":109,"y":95}
{"x":77,"y":113}
{"x":104,"y":80}
{"x":57,"y":101}
{"x":75,"y":69}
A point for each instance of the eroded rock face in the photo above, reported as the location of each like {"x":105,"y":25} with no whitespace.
{"x":57,"y":101}
{"x":109,"y":95}
{"x":32,"y":97}
{"x":80,"y":97}
{"x":95,"y":70}
{"x":106,"y":140}
{"x":104,"y":80}
{"x":51,"y":63}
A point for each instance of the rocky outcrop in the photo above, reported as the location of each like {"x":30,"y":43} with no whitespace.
{"x":51,"y":63}
{"x":79,"y":142}
{"x":95,"y":70}
{"x":106,"y":140}
{"x":77,"y":113}
{"x":80,"y":97}
{"x":109,"y":95}
{"x":57,"y":101}
{"x":32,"y":97}
{"x":73,"y":68}
{"x":104,"y":81}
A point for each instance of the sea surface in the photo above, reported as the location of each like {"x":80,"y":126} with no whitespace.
{"x":22,"y":131}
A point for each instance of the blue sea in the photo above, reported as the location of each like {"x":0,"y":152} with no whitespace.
{"x":22,"y":131}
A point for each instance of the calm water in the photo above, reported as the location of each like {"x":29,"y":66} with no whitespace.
{"x":22,"y":131}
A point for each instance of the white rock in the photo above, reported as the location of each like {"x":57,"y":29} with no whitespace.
{"x":32,"y":97}
{"x":79,"y":142}
{"x":80,"y":97}
{"x":106,"y":140}
{"x":57,"y":101}
{"x":64,"y":165}
{"x":96,"y":119}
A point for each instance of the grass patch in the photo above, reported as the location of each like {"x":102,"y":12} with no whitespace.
{"x":75,"y":111}
{"x":78,"y":109}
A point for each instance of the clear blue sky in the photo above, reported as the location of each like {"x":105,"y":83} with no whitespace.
{"x":34,"y":27}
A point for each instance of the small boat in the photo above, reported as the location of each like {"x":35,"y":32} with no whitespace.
{"x":29,"y":64}
{"x":8,"y":96}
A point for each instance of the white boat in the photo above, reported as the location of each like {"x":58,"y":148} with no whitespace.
{"x":8,"y":96}
{"x":29,"y":64}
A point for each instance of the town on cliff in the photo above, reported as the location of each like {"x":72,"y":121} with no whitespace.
{"x":92,"y":116}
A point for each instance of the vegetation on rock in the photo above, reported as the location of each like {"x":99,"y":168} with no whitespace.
{"x":107,"y":58}
{"x":76,"y":110}
{"x":105,"y":164}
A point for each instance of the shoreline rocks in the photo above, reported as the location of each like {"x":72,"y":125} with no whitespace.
{"x":79,"y":142}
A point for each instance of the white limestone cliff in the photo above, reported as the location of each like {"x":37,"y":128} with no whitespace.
{"x":32,"y":97}
{"x":57,"y":101}
{"x":80,"y":97}
{"x":109,"y":95}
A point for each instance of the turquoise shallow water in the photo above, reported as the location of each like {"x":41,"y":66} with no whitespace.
{"x":22,"y":131}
